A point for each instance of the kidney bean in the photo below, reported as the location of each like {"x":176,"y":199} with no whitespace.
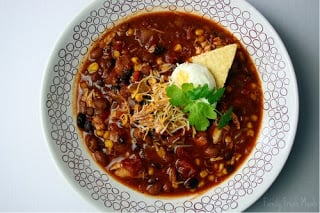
{"x":107,"y":65}
{"x":90,"y":111}
{"x":101,"y":158}
{"x":154,"y":189}
{"x":167,"y":187}
{"x":96,"y":53}
{"x":101,"y":104}
{"x":92,"y":143}
{"x":211,"y":151}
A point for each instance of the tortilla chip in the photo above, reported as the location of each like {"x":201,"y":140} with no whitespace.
{"x":218,"y":61}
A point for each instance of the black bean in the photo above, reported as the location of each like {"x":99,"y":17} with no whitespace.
{"x":159,"y":50}
{"x":88,"y":127}
{"x":121,"y":140}
{"x":230,"y":168}
{"x":191,"y":183}
{"x":228,"y":155}
{"x":81,"y":120}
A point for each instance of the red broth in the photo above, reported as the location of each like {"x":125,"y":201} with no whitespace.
{"x":186,"y":161}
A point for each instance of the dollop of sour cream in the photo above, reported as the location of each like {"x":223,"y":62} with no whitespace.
{"x":192,"y":73}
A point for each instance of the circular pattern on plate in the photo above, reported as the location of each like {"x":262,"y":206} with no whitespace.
{"x":273,"y":69}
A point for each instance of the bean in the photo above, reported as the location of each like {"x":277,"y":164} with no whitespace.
{"x":96,"y":53}
{"x":81,"y":120}
{"x":230,"y":168}
{"x":90,"y":111}
{"x":88,"y":127}
{"x":159,"y":50}
{"x":167,"y":187}
{"x":228,"y":155}
{"x":191,"y":183}
{"x":101,"y":104}
{"x":101,"y":158}
{"x":211,"y":151}
{"x":84,"y":123}
{"x":92,"y":143}
{"x":154,"y":189}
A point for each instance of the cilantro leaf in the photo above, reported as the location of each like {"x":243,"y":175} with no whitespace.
{"x":199,"y":92}
{"x":177,"y":96}
{"x":216,"y":96}
{"x":225,"y":118}
{"x":187,"y":87}
{"x":199,"y":102}
{"x":199,"y":112}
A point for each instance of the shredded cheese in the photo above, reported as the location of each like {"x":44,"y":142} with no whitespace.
{"x":157,"y":113}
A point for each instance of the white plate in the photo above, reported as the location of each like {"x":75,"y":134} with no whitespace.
{"x":236,"y":193}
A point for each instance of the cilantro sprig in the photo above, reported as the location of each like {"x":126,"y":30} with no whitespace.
{"x":200,"y":104}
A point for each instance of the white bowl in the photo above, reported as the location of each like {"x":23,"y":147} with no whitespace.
{"x":236,"y":193}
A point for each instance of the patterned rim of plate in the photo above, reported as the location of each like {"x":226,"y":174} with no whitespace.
{"x":236,"y":193}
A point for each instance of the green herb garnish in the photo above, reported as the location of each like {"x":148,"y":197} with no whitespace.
{"x":200,"y":102}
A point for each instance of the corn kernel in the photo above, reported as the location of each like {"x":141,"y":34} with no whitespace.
{"x":200,"y":39}
{"x":108,"y":144}
{"x":99,"y":133}
{"x":221,"y":166}
{"x":161,"y":152}
{"x":249,"y":125}
{"x":253,"y":96}
{"x":254,"y":117}
{"x":83,"y":85}
{"x":137,"y":67}
{"x":199,"y":32}
{"x":135,"y":60}
{"x":211,"y":177}
{"x":201,"y":184}
{"x":227,"y":139}
{"x":93,"y":67}
{"x":177,"y":48}
{"x":130,"y":32}
{"x":224,"y":171}
{"x":116,"y":54}
{"x":150,"y":171}
{"x":138,"y":97}
{"x":159,"y":61}
{"x":253,"y":85}
{"x":197,"y":161}
{"x":106,"y":134}
{"x":203,"y":173}
{"x":124,"y":119}
{"x":175,"y":185}
{"x":152,"y":81}
{"x":250,"y":133}
{"x":136,"y":108}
